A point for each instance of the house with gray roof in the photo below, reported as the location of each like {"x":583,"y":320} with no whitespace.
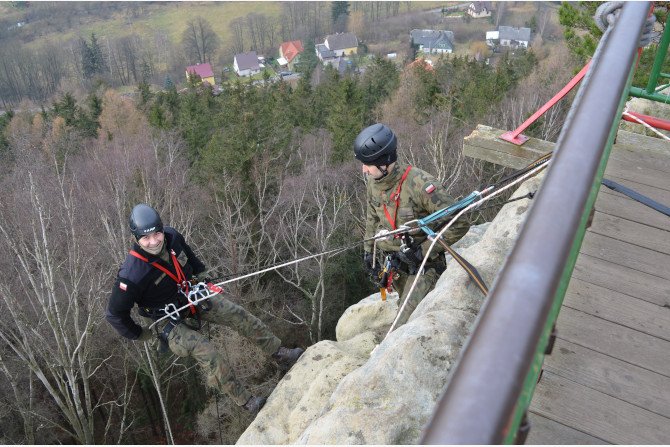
{"x":342,"y":44}
{"x":432,"y":41}
{"x":246,"y":64}
{"x":510,"y":36}
{"x":323,"y":52}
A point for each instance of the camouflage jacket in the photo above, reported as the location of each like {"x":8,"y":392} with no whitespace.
{"x":421,"y":195}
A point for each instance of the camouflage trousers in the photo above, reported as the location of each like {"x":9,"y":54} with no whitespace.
{"x":423,"y":286}
{"x":184,"y":342}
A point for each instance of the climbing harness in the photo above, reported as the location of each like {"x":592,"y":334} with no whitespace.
{"x":179,"y":277}
{"x":195,"y":294}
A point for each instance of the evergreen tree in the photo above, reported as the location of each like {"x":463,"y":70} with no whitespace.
{"x":308,"y":60}
{"x":579,"y":29}
{"x":145,"y":93}
{"x":346,"y":118}
{"x":168,"y":84}
{"x":92,"y":59}
{"x":4,"y":122}
{"x":67,"y":109}
{"x":339,"y":11}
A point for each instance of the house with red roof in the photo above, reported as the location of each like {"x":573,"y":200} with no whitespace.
{"x":203,"y":70}
{"x":288,"y":52}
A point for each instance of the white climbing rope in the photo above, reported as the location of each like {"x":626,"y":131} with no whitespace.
{"x":451,"y":222}
{"x":647,"y":125}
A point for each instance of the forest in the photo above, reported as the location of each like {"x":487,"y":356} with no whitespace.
{"x":254,"y":176}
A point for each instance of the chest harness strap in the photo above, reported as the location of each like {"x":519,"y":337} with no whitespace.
{"x":395,"y":197}
{"x":179,"y":278}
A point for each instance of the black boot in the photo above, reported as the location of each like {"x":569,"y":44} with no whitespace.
{"x":254,"y":404}
{"x":286,"y":357}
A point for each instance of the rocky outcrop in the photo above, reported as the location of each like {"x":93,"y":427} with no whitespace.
{"x":370,"y":388}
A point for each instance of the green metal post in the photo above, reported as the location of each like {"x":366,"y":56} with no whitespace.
{"x":658,"y":61}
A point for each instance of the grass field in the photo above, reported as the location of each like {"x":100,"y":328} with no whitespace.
{"x":169,"y":17}
{"x":172,"y":18}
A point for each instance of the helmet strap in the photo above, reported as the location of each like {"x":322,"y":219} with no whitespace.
{"x":384,"y":170}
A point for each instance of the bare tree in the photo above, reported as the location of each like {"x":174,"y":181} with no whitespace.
{"x":53,"y":299}
{"x":199,"y":40}
{"x":237,"y":27}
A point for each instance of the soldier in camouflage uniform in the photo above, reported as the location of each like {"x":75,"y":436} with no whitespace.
{"x":148,"y":277}
{"x":396,"y":194}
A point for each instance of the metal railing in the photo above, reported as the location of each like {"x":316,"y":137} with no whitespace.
{"x":492,"y":383}
{"x":653,"y":91}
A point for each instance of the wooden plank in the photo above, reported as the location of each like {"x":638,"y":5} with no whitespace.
{"x":544,"y":431}
{"x":597,"y":414}
{"x":630,"y":255}
{"x":617,"y":204}
{"x":484,"y":143}
{"x":631,"y":232}
{"x":642,"y":143}
{"x":641,"y":157}
{"x":614,"y":340}
{"x":637,"y":284}
{"x":496,"y":157}
{"x":618,"y":308}
{"x":610,"y":376}
{"x":639,"y":174}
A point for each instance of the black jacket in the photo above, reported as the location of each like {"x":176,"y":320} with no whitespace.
{"x":140,"y":282}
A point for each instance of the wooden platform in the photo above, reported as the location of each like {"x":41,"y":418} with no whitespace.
{"x":608,"y":378}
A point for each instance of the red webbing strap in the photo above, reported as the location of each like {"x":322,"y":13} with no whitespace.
{"x":396,"y":198}
{"x":179,"y":278}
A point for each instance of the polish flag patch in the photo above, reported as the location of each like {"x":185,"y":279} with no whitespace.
{"x":123,"y":286}
{"x":430,"y":188}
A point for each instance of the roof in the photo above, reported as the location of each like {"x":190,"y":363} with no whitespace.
{"x":492,"y":35}
{"x":291,"y":49}
{"x":247,"y":61}
{"x":341,"y":41}
{"x":423,"y":64}
{"x":511,"y":33}
{"x":478,"y":7}
{"x":324,"y":51}
{"x":202,"y":70}
{"x":434,"y":39}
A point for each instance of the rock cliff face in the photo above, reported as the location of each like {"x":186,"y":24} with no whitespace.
{"x":367,"y":389}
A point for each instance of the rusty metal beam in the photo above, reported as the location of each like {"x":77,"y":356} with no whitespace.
{"x":480,"y":403}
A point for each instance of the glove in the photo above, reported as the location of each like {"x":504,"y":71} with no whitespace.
{"x":412,"y":257}
{"x":373,"y":273}
{"x":383,"y":235}
{"x":145,"y":335}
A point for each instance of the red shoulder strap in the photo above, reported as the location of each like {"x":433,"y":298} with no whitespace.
{"x":179,"y":278}
{"x":396,"y":198}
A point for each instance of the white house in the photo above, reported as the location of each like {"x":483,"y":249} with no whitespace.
{"x":510,"y":36}
{"x":246,"y":64}
{"x":479,"y":9}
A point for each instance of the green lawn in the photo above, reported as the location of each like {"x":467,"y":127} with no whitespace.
{"x":169,"y":17}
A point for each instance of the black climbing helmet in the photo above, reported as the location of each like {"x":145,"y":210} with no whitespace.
{"x":144,"y":220}
{"x":376,"y":145}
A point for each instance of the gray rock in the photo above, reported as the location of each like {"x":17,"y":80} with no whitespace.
{"x":346,"y":392}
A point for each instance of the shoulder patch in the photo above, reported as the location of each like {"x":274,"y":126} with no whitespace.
{"x":430,"y":188}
